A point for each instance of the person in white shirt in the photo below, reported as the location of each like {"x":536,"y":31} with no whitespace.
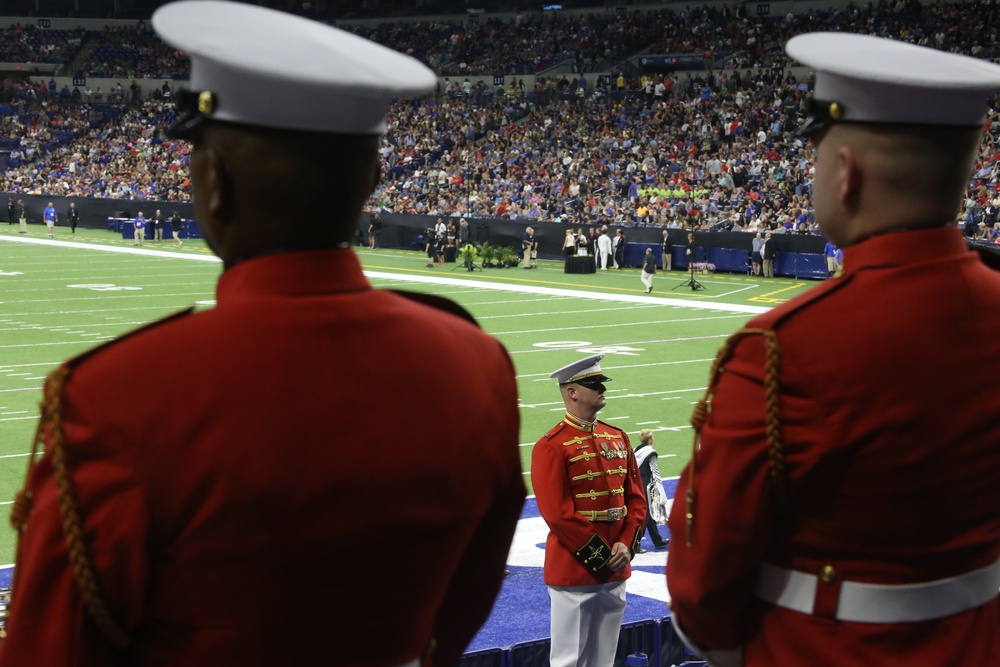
{"x":603,"y":248}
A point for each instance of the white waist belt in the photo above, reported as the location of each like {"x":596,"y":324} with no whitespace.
{"x":882,"y":603}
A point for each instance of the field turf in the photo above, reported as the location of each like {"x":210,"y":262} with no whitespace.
{"x":59,"y":297}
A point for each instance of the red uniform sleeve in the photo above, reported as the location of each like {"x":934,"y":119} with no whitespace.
{"x":711,"y":579}
{"x":47,"y":622}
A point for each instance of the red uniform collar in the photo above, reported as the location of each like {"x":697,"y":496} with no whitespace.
{"x":293,"y":274}
{"x":904,"y":247}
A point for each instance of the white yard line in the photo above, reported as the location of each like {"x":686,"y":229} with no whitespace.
{"x":429,"y":280}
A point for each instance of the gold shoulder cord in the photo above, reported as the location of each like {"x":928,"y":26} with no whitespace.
{"x":772,"y":429}
{"x":72,"y":524}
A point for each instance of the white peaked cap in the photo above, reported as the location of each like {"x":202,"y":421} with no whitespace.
{"x":273,"y":69}
{"x":874,"y":80}
{"x":588,"y":368}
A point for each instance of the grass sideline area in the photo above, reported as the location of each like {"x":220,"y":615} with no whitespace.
{"x":63,"y":296}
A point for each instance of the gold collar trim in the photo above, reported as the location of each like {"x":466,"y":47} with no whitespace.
{"x":576,"y":422}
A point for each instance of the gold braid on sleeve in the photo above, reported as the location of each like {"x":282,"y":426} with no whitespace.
{"x":72,"y":524}
{"x":772,"y":422}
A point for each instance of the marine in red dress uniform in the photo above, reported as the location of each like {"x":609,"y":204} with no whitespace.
{"x":588,"y":491}
{"x":843,"y":505}
{"x":296,"y":499}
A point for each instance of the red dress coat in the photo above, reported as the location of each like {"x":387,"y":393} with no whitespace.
{"x":312,"y":473}
{"x":575,"y":469}
{"x":890,"y":416}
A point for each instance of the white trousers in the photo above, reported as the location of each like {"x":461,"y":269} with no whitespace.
{"x":647,"y":279}
{"x":602,"y":258}
{"x":586,"y":622}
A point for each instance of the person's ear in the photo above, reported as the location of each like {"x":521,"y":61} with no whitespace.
{"x":848,"y":178}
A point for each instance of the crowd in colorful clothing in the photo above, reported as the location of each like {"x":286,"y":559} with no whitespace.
{"x":709,"y":150}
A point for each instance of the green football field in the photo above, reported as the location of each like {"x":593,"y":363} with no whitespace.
{"x":60,"y":297}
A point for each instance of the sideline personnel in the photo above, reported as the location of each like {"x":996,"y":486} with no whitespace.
{"x":842,"y":504}
{"x":588,"y":491}
{"x":234,"y":531}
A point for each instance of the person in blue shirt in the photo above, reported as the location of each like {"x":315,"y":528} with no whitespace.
{"x":140,"y":229}
{"x":51,"y":217}
{"x":830,"y":252}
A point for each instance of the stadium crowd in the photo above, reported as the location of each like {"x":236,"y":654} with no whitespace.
{"x":32,"y":44}
{"x":133,"y":52}
{"x":709,"y":150}
{"x":119,"y":157}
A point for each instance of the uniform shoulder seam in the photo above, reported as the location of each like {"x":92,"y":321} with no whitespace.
{"x":83,"y":356}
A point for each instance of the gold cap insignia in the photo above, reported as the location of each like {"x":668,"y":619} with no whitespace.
{"x":207,"y":102}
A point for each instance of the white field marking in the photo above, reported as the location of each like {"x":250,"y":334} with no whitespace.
{"x":645,"y":423}
{"x":6,"y":366}
{"x":431,"y":280}
{"x":7,"y":502}
{"x":17,"y":419}
{"x":41,"y":295}
{"x":13,"y":412}
{"x":639,"y":342}
{"x":612,"y":309}
{"x":14,"y":375}
{"x":68,"y":342}
{"x":114,"y":317}
{"x":643,"y":395}
{"x":15,"y":456}
{"x":79,"y":262}
{"x":558,"y":291}
{"x":615,"y":325}
{"x":548,"y":299}
{"x":545,"y":376}
{"x":449,"y":292}
{"x":736,"y":291}
{"x":138,"y":282}
{"x":104,"y":287}
{"x":615,"y":309}
{"x":61,"y":330}
{"x":8,"y":391}
{"x":120,"y":250}
{"x":89,"y":295}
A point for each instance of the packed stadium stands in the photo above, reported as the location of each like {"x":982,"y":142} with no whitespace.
{"x":709,"y":149}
